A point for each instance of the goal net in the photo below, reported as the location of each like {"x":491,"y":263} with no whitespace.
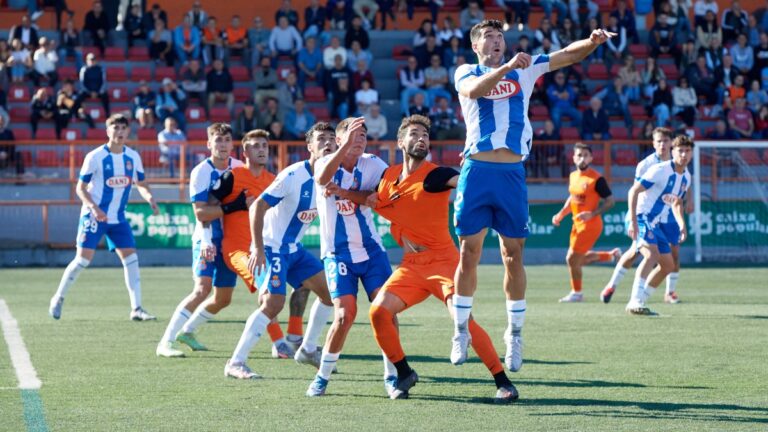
{"x":730,"y":187}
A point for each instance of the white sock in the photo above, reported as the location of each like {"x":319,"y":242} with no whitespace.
{"x":617,"y":276}
{"x":389,"y":367}
{"x":318,"y":318}
{"x":178,"y":319}
{"x":462,"y":305}
{"x":132,"y":279}
{"x":70,"y":275}
{"x":648,"y":292}
{"x":327,"y":363}
{"x":201,"y":316}
{"x":638,"y":290}
{"x":252,"y":332}
{"x":515,"y":316}
{"x":672,"y":282}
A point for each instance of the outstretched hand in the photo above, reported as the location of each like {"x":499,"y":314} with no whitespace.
{"x":600,"y":36}
{"x":521,"y":60}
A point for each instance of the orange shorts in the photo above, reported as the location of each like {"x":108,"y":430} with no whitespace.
{"x":585,"y":237}
{"x":423,"y":274}
{"x":237,"y":261}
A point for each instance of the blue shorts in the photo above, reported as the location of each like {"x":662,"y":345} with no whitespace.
{"x":343,"y":276}
{"x":90,"y":232}
{"x":491,"y":195}
{"x":652,"y":236}
{"x":671,"y":231}
{"x":293,"y":268}
{"x":218,"y":270}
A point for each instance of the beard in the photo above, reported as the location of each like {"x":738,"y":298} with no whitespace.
{"x":417,"y":153}
{"x":582,"y":167}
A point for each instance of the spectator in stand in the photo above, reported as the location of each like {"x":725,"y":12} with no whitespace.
{"x":45,"y":60}
{"x":734,"y":22}
{"x":631,"y":77}
{"x":314,"y":20}
{"x":68,"y":106}
{"x":567,"y":32}
{"x":425,"y":52}
{"x":161,"y":44}
{"x":435,"y":81}
{"x":186,"y":40}
{"x":144,"y":106}
{"x":756,"y":96}
{"x":725,"y":77}
{"x":617,"y":46}
{"x":735,"y":91}
{"x":291,"y":14}
{"x":616,"y":101}
{"x":445,"y":124}
{"x":684,"y":101}
{"x":171,"y":102}
{"x":661,"y":104}
{"x":8,"y":154}
{"x":20,"y":61}
{"x":356,"y":32}
{"x":25,"y":32}
{"x":545,"y":48}
{"x":743,"y":55}
{"x":70,"y":43}
{"x":598,"y":54}
{"x":448,"y":32}
{"x":236,"y":39}
{"x":310,"y":62}
{"x":333,"y":76}
{"x":360,"y":6}
{"x":753,"y":31}
{"x":688,"y":55}
{"x":4,"y":114}
{"x":342,"y":98}
{"x":545,"y":155}
{"x":265,"y":79}
{"x":97,"y":26}
{"x":521,"y":10}
{"x":169,"y":140}
{"x":562,"y":101}
{"x":419,"y":106}
{"x":562,"y":10}
{"x":298,"y":120}
{"x":194,"y":83}
{"x":220,"y":86}
{"x":212,"y":41}
{"x":582,"y":11}
{"x":330,"y":52}
{"x":276,"y":131}
{"x":721,"y":132}
{"x":387,"y":8}
{"x":246,"y":121}
{"x":546,"y":30}
{"x":673,"y":17}
{"x":258,"y":39}
{"x":284,"y":40}
{"x":197,"y":16}
{"x":427,"y":29}
{"x":338,"y":15}
{"x":433,"y":5}
{"x":468,"y":17}
{"x":761,"y":123}
{"x":460,"y":60}
{"x":411,"y":83}
{"x":524,"y":45}
{"x":452,"y":50}
{"x":375,"y":123}
{"x":703,"y":80}
{"x":595,"y":122}
{"x":93,"y":82}
{"x":43,"y":108}
{"x":134,"y":28}
{"x":356,"y":54}
{"x":365,"y":97}
{"x":662,"y":38}
{"x":270,"y":113}
{"x":362,"y":73}
{"x":154,"y":14}
{"x":700,"y":9}
{"x":626,"y":20}
{"x":288,"y":91}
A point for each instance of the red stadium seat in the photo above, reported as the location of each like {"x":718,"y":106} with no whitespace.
{"x":22,"y":134}
{"x":91,"y":50}
{"x":637,"y":112}
{"x":146,"y":134}
{"x":26,"y":156}
{"x":96,"y":112}
{"x":197,"y":135}
{"x":164,"y":72}
{"x":195,"y":115}
{"x":96,"y":134}
{"x":626,"y":157}
{"x":67,"y":72}
{"x":598,"y":155}
{"x":220,"y":114}
{"x":117,"y":74}
{"x":150,"y":158}
{"x":139,"y":73}
{"x":619,"y":132}
{"x":21,"y":114}
{"x":242,"y":94}
{"x":114,"y":54}
{"x":314,"y":94}
{"x":70,"y":134}
{"x":46,"y":134}
{"x":597,"y":71}
{"x":639,"y":50}
{"x":569,"y":133}
{"x":670,"y":70}
{"x":539,"y":112}
{"x":321,"y":113}
{"x":47,"y":159}
{"x":19,"y":93}
{"x":751,"y":156}
{"x":119,"y":94}
{"x":239,"y":73}
{"x":283,"y":71}
{"x":138,"y":54}
{"x":401,"y":52}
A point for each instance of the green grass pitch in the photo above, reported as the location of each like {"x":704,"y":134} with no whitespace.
{"x":701,"y":365}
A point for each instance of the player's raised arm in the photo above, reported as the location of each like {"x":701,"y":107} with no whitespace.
{"x":579,"y":50}
{"x":325,"y":171}
{"x":475,"y":87}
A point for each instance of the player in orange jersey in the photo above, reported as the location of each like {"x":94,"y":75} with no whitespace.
{"x":589,"y":197}
{"x":415,"y":197}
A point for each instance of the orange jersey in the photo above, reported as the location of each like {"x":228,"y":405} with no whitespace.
{"x":236,"y":225}
{"x":418,"y":215}
{"x":586,"y":189}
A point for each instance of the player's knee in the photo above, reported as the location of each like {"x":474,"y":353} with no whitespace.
{"x":81,"y":261}
{"x":273,"y":305}
{"x":346,"y":317}
{"x":379,"y":315}
{"x":571,"y":259}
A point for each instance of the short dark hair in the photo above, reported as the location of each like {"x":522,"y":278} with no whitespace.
{"x":582,"y":146}
{"x":318,"y":127}
{"x":682,"y":141}
{"x":411,"y":121}
{"x":219,"y":129}
{"x":118,"y":119}
{"x":255,"y":133}
{"x":477,"y":29}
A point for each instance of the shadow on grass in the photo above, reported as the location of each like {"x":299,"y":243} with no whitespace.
{"x":416,"y":359}
{"x":364,"y":324}
{"x":753,"y":317}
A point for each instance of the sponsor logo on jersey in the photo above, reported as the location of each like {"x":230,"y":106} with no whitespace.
{"x":504,"y":89}
{"x":345,"y":207}
{"x":118,"y":181}
{"x":307,"y":216}
{"x":669,"y":199}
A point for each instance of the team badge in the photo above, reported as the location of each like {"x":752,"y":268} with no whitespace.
{"x":128,"y":165}
{"x":275,"y":282}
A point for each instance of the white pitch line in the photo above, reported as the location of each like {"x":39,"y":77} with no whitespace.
{"x":25,"y":372}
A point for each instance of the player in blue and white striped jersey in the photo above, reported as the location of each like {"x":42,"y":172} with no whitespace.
{"x":491,"y":193}
{"x":279,"y":218}
{"x":106,"y":178}
{"x":660,"y":190}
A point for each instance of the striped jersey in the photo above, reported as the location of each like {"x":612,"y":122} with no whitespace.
{"x":645,"y":164}
{"x":110,"y":177}
{"x":500,"y":118}
{"x":661,"y":184}
{"x":346,"y":229}
{"x":292,"y":197}
{"x":202,"y":179}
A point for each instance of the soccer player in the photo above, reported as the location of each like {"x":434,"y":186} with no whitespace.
{"x":590,"y":197}
{"x":279,"y":219}
{"x":491,"y":192}
{"x":351,"y":248}
{"x":415,"y":196}
{"x":106,"y":178}
{"x":208,"y":266}
{"x":661,"y":189}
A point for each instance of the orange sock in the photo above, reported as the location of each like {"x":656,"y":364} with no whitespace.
{"x":385,"y":332}
{"x":484,"y":348}
{"x":275,"y":332}
{"x":576,"y":285}
{"x":605,"y":256}
{"x":295,"y":326}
